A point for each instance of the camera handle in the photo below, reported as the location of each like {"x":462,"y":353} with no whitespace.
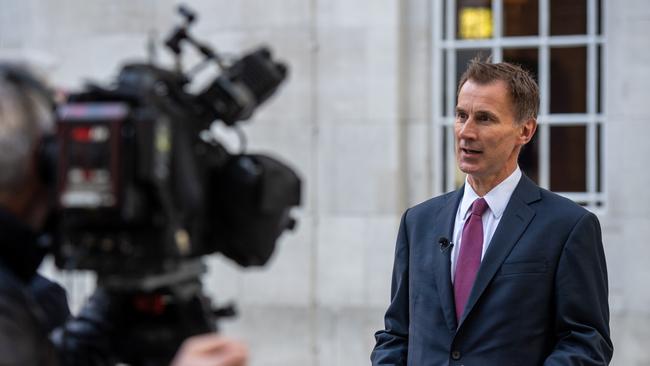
{"x":180,"y":34}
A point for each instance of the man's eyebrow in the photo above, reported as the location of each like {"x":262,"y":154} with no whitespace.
{"x":487,"y":113}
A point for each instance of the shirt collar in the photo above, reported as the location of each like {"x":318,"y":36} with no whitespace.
{"x":497,"y":198}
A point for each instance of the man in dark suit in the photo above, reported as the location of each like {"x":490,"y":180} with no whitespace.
{"x":499,"y":272}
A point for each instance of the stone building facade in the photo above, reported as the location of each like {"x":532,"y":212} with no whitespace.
{"x":360,"y":119}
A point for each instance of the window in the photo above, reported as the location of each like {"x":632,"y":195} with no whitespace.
{"x":560,"y":42}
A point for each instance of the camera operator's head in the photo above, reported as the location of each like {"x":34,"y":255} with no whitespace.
{"x":26,"y":116}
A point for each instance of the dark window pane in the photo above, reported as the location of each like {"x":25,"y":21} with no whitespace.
{"x":529,"y":158}
{"x":599,"y":17}
{"x":463,"y":57}
{"x":443,"y":82}
{"x":445,"y":36}
{"x":568,"y":158}
{"x":569,"y":80}
{"x":524,"y":57}
{"x":443,"y":151}
{"x":599,"y":76}
{"x":568,"y":17}
{"x":599,"y":171}
{"x":474,"y":19}
{"x":520,"y":17}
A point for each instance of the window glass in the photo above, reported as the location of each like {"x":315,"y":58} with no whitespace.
{"x":444,"y":83}
{"x":599,"y":85}
{"x":529,"y":158}
{"x":599,"y":131}
{"x":524,"y":57}
{"x":474,"y":19}
{"x":443,"y":151}
{"x":520,"y":17}
{"x":568,"y":158}
{"x":568,"y":80}
{"x":463,"y":57}
{"x":599,"y":18}
{"x":568,"y":17}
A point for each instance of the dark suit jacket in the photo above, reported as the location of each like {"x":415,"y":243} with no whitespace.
{"x":540,"y":296}
{"x":30,"y":305}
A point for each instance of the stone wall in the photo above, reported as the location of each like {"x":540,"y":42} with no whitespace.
{"x":354,"y":119}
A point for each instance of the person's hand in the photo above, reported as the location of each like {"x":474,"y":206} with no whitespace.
{"x":211,"y":350}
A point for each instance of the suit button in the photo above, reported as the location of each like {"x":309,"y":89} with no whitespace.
{"x":455,"y":355}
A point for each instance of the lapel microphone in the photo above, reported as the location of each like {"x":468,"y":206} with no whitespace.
{"x":444,"y":244}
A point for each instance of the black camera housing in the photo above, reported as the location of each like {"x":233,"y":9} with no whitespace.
{"x":143,"y":190}
{"x":139,"y":189}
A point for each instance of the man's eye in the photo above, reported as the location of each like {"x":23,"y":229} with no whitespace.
{"x":461,"y":115}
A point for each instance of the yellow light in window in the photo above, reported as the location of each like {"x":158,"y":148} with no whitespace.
{"x":475,"y":22}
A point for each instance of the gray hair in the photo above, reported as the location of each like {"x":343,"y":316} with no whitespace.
{"x":25,"y":115}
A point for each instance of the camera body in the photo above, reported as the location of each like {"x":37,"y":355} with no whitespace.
{"x":143,"y":190}
{"x":141,"y":186}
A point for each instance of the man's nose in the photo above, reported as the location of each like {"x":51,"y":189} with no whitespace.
{"x":468,"y":129}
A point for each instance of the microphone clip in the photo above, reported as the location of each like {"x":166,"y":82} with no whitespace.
{"x":445,"y":244}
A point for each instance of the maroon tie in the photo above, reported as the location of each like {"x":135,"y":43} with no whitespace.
{"x":469,"y":258}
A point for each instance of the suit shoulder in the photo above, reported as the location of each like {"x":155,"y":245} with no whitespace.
{"x":432,"y":205}
{"x":553,"y":203}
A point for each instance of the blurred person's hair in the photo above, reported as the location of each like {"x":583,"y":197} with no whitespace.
{"x":25,"y":116}
{"x":523,"y":90}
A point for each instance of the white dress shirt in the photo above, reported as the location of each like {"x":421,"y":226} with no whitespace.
{"x":497,"y":200}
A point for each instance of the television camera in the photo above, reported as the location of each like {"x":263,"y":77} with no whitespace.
{"x":144,"y":190}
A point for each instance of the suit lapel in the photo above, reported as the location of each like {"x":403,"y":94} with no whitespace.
{"x":446,"y":217}
{"x":515,"y":219}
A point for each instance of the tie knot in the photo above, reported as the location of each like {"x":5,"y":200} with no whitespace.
{"x":479,"y":206}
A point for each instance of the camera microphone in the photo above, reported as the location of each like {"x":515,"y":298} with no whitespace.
{"x":444,"y":244}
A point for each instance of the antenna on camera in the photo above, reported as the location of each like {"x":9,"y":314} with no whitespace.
{"x":181,"y":34}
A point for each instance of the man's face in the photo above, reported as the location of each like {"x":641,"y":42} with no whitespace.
{"x":488,"y":138}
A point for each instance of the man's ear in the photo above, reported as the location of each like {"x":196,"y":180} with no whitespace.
{"x":527,"y":130}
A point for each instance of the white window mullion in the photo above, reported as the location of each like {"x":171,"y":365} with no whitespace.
{"x":544,"y":155}
{"x":497,"y":52}
{"x":497,"y":30}
{"x":591,"y":17}
{"x":451,"y":81}
{"x":603,"y":180}
{"x":544,"y":80}
{"x":544,"y":22}
{"x":592,"y":130}
{"x":603,"y":97}
{"x":525,"y":42}
{"x":451,"y":20}
{"x":582,"y":196}
{"x":451,"y":161}
{"x":437,"y":90}
{"x":451,"y":91}
{"x":592,"y":148}
{"x":592,"y":169}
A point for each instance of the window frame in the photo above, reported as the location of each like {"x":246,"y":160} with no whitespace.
{"x":444,"y":47}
